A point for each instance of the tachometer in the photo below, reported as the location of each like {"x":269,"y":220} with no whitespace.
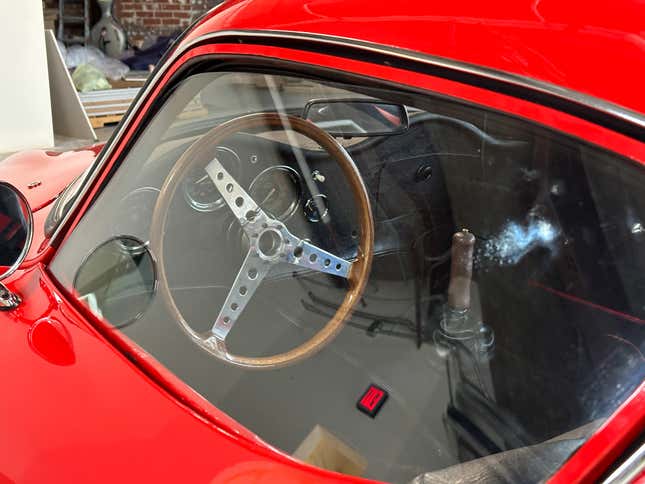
{"x":278,"y":190}
{"x":199,"y":190}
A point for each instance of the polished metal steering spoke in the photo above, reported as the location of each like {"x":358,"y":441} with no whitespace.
{"x":305,"y":254}
{"x":248,"y":279}
{"x":245,"y":209}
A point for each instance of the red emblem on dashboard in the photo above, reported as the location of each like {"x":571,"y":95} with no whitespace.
{"x":372,"y":400}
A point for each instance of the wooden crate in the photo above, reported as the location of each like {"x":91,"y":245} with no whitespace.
{"x":102,"y":121}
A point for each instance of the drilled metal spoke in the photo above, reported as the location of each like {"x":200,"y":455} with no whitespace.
{"x":248,"y":279}
{"x":307,"y":255}
{"x":245,"y":209}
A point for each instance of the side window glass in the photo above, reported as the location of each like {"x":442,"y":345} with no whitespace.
{"x":498,"y":305}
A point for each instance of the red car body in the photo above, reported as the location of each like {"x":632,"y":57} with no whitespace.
{"x":80,"y":402}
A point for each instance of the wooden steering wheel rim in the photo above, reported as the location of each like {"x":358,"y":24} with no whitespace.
{"x":204,"y":148}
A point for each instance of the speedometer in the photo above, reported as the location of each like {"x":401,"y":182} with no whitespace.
{"x":278,"y":190}
{"x":200,"y":192}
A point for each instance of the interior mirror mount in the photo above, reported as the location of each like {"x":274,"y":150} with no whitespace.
{"x":16,"y":234}
{"x":357,"y":117}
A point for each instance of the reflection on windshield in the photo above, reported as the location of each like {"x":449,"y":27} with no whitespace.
{"x":515,"y":241}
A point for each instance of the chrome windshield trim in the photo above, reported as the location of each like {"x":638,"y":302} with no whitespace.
{"x":552,"y":90}
{"x":629,"y":470}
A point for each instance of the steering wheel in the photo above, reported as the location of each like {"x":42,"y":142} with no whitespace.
{"x":271,"y":242}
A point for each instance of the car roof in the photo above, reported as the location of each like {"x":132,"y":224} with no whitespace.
{"x":596,"y":48}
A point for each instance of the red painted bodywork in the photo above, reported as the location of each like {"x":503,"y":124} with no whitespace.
{"x":75,"y":409}
{"x":41,"y":176}
{"x":589,"y":46}
{"x":81,"y":402}
{"x":49,"y":171}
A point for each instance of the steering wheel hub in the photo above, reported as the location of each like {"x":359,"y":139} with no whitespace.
{"x":270,"y":244}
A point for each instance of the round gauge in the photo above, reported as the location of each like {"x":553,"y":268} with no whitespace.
{"x":199,"y":189}
{"x":316,"y":208}
{"x":277,"y":190}
{"x":136,"y":209}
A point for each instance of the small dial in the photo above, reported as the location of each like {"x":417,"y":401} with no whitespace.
{"x":199,"y":189}
{"x":316,"y":208}
{"x":278,"y":191}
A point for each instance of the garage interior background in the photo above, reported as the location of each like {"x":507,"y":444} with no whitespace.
{"x":162,"y":17}
{"x":94,"y":55}
{"x":140,"y":19}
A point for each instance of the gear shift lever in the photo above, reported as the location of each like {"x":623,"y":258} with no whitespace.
{"x":461,"y":270}
{"x":456,"y":323}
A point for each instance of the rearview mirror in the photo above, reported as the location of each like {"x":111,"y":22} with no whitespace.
{"x":16,"y":229}
{"x":349,"y":118}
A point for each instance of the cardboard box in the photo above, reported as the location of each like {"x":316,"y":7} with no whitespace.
{"x":323,"y":449}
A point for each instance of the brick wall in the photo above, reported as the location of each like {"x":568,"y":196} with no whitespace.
{"x":160,"y":17}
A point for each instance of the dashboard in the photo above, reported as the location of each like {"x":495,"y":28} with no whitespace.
{"x":402,"y":173}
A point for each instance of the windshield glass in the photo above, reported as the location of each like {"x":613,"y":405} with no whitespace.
{"x":438,"y":284}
